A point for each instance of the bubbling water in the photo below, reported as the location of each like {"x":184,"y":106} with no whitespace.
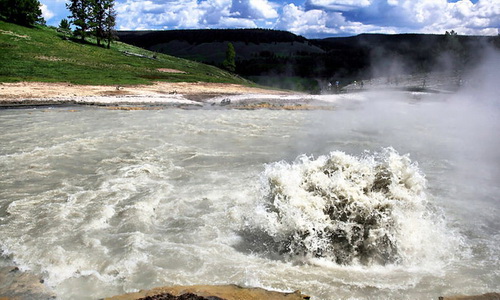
{"x":367,"y":210}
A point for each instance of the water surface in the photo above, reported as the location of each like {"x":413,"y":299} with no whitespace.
{"x":103,"y":202}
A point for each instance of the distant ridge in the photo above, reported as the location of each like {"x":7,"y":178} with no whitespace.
{"x":285,"y":60}
{"x":198,"y":36}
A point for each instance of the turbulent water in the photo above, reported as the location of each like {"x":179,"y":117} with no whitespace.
{"x":378,"y":199}
{"x":346,"y":209}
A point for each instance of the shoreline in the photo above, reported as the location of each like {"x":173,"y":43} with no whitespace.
{"x":23,"y":94}
{"x":164,"y":95}
{"x":23,"y":284}
{"x":27,"y":95}
{"x":184,"y":95}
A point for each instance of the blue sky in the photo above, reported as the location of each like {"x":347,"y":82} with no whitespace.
{"x":309,"y":18}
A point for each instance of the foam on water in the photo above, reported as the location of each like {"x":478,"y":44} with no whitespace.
{"x":84,"y":223}
{"x":102,"y":202}
{"x":366,"y":210}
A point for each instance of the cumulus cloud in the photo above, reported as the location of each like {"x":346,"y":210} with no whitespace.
{"x":318,"y":23}
{"x":253,"y":9}
{"x":338,"y":5}
{"x":465,"y":17}
{"x":311,"y":18}
{"x":47,"y":14}
{"x":419,"y":16}
{"x":143,"y":14}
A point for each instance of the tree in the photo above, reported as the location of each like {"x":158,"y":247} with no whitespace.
{"x":96,"y":19}
{"x":102,"y":20}
{"x":110,"y":22}
{"x":229,"y":63}
{"x":80,"y":14}
{"x":22,"y":12}
{"x":452,"y":47}
{"x":64,"y":26}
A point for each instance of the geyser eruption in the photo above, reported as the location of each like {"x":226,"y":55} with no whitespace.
{"x":366,"y":210}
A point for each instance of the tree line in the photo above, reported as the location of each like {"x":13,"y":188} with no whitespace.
{"x":257,"y":36}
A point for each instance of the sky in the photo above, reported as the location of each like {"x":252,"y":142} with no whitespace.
{"x":309,"y":18}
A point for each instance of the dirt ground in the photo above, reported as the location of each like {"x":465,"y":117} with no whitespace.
{"x":41,"y":90}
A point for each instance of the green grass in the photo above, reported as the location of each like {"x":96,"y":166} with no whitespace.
{"x":308,"y":85}
{"x":43,"y":54}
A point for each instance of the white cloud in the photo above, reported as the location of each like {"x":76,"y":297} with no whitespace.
{"x":316,"y":23}
{"x":47,"y":14}
{"x":465,"y":17}
{"x":253,"y":9}
{"x":228,"y":22}
{"x":315,"y":17}
{"x":425,"y":16}
{"x":338,"y":5}
{"x":423,"y":11}
{"x":143,"y":14}
{"x":146,"y":14}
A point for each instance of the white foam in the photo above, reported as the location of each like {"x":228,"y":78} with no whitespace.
{"x":370,"y":209}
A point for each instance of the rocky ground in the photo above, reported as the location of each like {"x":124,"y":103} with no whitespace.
{"x":211,"y":292}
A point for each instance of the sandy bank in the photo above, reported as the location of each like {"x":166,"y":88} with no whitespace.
{"x":34,"y":93}
{"x":181,"y":94}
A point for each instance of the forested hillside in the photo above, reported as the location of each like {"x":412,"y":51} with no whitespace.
{"x":285,"y":60}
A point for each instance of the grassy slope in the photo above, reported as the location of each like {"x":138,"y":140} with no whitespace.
{"x":42,"y":54}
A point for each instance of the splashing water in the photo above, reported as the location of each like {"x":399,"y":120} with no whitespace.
{"x":366,"y":210}
{"x":100,"y":203}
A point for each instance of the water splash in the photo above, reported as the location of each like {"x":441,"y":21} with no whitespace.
{"x":369,"y":210}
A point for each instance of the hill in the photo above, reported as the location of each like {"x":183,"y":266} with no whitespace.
{"x":282,"y":59}
{"x":268,"y":57}
{"x":44,"y":54}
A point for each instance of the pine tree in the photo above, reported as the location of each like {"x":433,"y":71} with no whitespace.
{"x":96,"y":17}
{"x":80,"y":14}
{"x":229,"y":63}
{"x":64,"y":26}
{"x":96,"y":20}
{"x":103,"y":20}
{"x":110,"y":22}
{"x":22,"y":12}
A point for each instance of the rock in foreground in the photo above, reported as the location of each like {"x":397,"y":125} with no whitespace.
{"x":212,"y":292}
{"x":488,"y":296}
{"x":16,"y":284}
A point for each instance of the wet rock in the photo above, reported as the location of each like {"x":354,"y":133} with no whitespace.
{"x":488,"y":296}
{"x":16,"y":284}
{"x":211,"y":292}
{"x":187,"y":296}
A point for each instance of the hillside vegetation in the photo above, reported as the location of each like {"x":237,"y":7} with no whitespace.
{"x":44,"y":54}
{"x":282,"y":59}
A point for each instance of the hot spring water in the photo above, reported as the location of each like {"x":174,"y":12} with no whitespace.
{"x":378,"y":199}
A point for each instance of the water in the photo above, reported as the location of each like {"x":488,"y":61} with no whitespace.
{"x":102,"y":202}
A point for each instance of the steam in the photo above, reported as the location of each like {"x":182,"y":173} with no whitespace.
{"x":450,"y":63}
